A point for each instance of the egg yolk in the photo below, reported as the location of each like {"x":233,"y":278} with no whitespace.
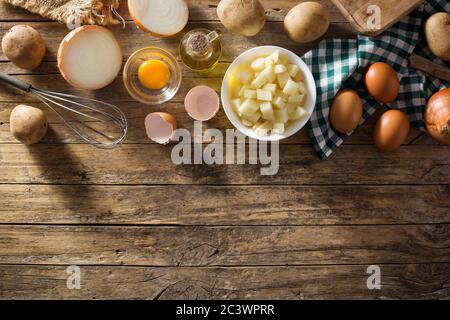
{"x":154,"y":74}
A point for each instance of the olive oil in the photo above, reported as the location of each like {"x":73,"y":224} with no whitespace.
{"x":200,"y":49}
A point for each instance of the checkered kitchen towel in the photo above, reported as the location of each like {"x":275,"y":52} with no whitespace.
{"x":340,"y":63}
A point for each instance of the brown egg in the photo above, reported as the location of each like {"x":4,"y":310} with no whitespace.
{"x":346,"y":111}
{"x":391,"y":130}
{"x":382,"y":82}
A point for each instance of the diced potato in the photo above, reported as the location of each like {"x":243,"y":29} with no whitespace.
{"x":256,"y":125}
{"x":302,"y":87}
{"x":279,"y":68}
{"x":250,"y":94}
{"x":298,"y":99}
{"x":267,"y":111}
{"x":258,"y":65}
{"x":291,"y":88}
{"x":241,"y":92}
{"x":272,"y":87}
{"x":279,"y":103}
{"x":298,"y":114}
{"x":269,"y":74}
{"x":246,"y":122}
{"x":244,"y":76}
{"x":264,"y":128}
{"x":235,"y":104}
{"x":291,"y":108}
{"x":278,"y":127}
{"x":284,"y":96}
{"x":235,"y":91}
{"x":275,"y":56}
{"x":298,"y":77}
{"x":252,"y":118}
{"x":282,"y":59}
{"x":269,"y":62}
{"x":249,"y":107}
{"x":283,"y":78}
{"x":259,"y":81}
{"x":281,"y":115}
{"x":264,"y":95}
{"x":293,"y":70}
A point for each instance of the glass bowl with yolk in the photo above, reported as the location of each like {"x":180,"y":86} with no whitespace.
{"x":152,"y":75}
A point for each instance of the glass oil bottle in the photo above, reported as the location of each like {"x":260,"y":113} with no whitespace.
{"x":200,"y":49}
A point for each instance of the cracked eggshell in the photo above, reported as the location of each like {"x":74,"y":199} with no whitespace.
{"x":160,"y":127}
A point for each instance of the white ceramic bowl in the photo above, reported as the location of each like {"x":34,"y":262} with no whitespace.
{"x":249,"y":55}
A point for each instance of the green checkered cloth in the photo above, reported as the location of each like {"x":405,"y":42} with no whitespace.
{"x":340,"y":63}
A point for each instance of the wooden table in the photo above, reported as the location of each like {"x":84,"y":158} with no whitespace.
{"x":141,"y":227}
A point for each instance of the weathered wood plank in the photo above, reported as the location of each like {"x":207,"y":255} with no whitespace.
{"x":224,"y":246}
{"x":132,"y":39}
{"x":409,"y":281}
{"x":152,"y":164}
{"x":114,"y":92}
{"x":224,"y":205}
{"x":199,"y":10}
{"x":136,"y":113}
{"x":50,"y":67}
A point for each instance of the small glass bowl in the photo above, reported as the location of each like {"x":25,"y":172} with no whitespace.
{"x":146,"y":95}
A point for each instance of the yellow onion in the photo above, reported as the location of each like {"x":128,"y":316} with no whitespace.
{"x":437,"y":116}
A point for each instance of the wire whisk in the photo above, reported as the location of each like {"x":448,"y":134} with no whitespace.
{"x":98,"y":123}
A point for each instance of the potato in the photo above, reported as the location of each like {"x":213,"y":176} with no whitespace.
{"x":307,"y":22}
{"x":28,"y":124}
{"x":245,"y":18}
{"x":24,"y":46}
{"x":437,"y":34}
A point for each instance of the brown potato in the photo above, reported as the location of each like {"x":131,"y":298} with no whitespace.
{"x":24,"y":46}
{"x":437,"y":34}
{"x":28,"y":124}
{"x":245,"y":18}
{"x":307,"y":22}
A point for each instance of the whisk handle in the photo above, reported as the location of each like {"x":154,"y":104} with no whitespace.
{"x":19,"y":84}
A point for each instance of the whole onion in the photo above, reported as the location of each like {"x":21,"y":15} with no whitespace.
{"x":437,"y":116}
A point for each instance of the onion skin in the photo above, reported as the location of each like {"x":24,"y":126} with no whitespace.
{"x":437,"y":116}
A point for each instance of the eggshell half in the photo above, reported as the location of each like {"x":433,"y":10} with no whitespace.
{"x":160,"y":127}
{"x":202,"y":103}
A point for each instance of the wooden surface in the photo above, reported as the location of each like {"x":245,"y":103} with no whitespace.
{"x":429,"y":67}
{"x":357,"y":13}
{"x":141,"y":227}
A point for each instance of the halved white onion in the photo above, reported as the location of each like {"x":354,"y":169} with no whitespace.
{"x":89,"y":57}
{"x":161,"y":18}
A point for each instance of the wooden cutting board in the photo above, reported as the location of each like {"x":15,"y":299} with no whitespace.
{"x":391,"y":11}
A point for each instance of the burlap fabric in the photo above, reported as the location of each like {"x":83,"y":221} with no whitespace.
{"x":102,"y":12}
